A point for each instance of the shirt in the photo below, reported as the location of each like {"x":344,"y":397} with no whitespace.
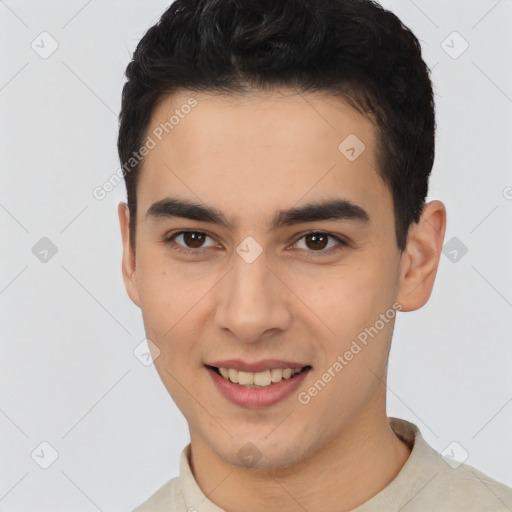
{"x":427,"y":482}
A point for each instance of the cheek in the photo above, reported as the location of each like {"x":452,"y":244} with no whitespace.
{"x":345,"y":297}
{"x":348,"y":303}
{"x":165,"y":294}
{"x":172,"y":307}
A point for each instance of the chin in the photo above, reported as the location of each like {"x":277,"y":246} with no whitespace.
{"x":257,"y":453}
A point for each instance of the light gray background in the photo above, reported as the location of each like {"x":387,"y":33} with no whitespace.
{"x":68,"y":373}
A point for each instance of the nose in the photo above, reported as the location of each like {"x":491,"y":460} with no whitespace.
{"x":253,"y":301}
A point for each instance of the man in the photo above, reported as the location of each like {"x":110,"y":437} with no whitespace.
{"x":277,"y":158}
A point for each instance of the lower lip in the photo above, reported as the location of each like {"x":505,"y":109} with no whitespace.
{"x":253,"y":398}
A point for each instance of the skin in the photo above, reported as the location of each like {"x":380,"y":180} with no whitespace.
{"x":249,"y":157}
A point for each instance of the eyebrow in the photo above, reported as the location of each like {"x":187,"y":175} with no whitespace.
{"x":333,"y":209}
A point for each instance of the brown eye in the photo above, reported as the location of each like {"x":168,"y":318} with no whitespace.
{"x":316,"y":240}
{"x":318,"y":243}
{"x":188,"y":242}
{"x":194,"y":239}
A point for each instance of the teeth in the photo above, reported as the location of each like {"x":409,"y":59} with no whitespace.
{"x":262,"y":378}
{"x":276,"y":375}
{"x":259,"y":379}
{"x":245,"y":378}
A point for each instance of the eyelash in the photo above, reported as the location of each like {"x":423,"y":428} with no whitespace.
{"x":310,"y":254}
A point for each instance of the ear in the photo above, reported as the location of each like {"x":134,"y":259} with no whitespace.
{"x":420,"y":259}
{"x":128,"y":262}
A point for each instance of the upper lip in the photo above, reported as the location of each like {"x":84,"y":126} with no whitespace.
{"x":257,"y":366}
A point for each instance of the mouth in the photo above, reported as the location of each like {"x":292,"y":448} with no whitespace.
{"x":258,"y":380}
{"x":257,"y":384}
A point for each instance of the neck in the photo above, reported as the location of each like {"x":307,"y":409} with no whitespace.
{"x":342,"y":475}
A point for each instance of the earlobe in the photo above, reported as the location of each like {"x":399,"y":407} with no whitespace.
{"x":128,"y":267}
{"x":420,"y":258}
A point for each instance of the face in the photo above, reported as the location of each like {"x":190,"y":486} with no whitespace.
{"x":250,"y":282}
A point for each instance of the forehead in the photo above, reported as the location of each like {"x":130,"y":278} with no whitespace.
{"x":262,"y":150}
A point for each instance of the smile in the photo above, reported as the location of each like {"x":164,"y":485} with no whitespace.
{"x":260,"y":379}
{"x":257,"y":389}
